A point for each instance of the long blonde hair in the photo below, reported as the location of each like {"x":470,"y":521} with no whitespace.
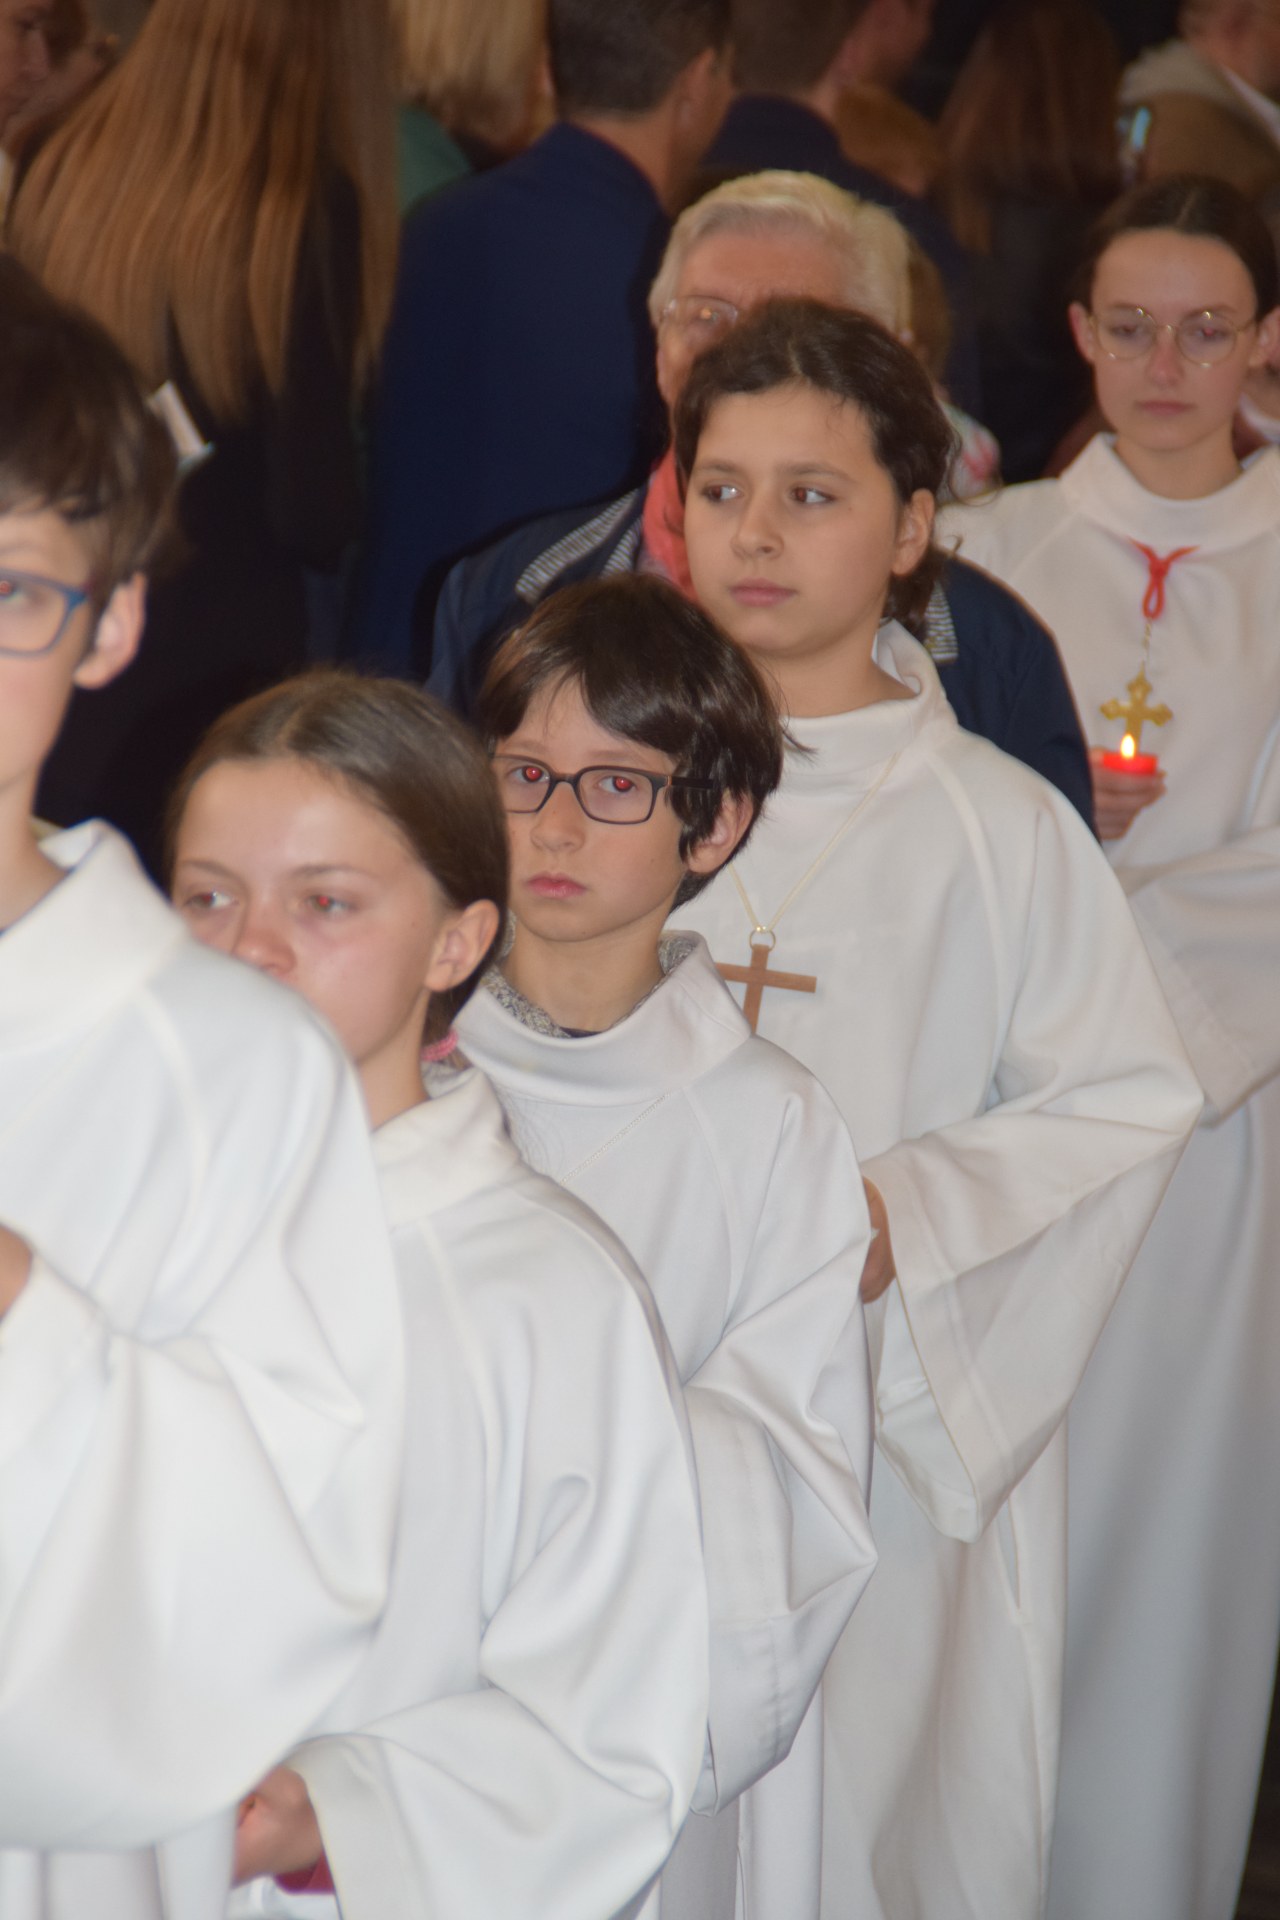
{"x":177,"y":198}
{"x":474,"y":64}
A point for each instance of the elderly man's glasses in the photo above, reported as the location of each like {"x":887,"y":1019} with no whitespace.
{"x":702,"y":320}
{"x":619,"y":796}
{"x":1130,"y":333}
{"x":35,"y":612}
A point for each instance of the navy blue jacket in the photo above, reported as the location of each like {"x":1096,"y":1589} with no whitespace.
{"x":518,"y":373}
{"x":998,"y":665}
{"x":767,"y":130}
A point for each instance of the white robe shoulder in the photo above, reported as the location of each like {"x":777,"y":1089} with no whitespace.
{"x":201,"y":1387}
{"x":526,"y":1736}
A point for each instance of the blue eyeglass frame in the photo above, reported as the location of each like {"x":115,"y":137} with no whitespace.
{"x":73,"y":599}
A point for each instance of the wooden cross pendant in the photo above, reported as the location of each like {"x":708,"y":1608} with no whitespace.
{"x":758,"y":976}
{"x":1134,"y":711}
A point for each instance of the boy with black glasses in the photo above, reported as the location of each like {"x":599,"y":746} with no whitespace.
{"x":634,"y":747}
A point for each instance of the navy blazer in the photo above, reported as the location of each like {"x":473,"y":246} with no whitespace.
{"x":518,"y":372}
{"x":999,"y":666}
{"x":764,"y":130}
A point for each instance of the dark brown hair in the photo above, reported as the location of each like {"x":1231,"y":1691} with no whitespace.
{"x":396,"y":748}
{"x":76,"y":433}
{"x":802,"y":343}
{"x":1032,"y":112}
{"x":1194,"y":205}
{"x":650,"y":667}
{"x":624,"y":56}
{"x":787,"y":48}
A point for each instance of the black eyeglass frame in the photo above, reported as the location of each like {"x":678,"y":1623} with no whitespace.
{"x":657,"y":782}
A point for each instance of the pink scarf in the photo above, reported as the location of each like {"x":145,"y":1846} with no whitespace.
{"x":664,"y":526}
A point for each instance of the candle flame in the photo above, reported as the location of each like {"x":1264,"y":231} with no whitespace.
{"x":1128,"y":746}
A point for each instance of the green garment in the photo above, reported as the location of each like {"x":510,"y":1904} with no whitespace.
{"x":428,"y":158}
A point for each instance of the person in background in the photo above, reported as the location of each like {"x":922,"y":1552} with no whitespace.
{"x":1156,"y":559}
{"x":224,"y":203}
{"x":883,"y":134}
{"x":1029,"y":138}
{"x":472,"y":76}
{"x":1211,"y":100}
{"x":750,"y":240}
{"x":791,"y":66}
{"x":79,"y":54}
{"x":518,"y":372}
{"x":24,"y":61}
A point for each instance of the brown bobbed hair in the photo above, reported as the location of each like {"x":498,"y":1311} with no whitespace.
{"x":650,"y":667}
{"x":399,"y":750}
{"x":802,"y":343}
{"x":788,"y":48}
{"x":1198,"y":207}
{"x":624,"y":56}
{"x":177,"y":197}
{"x":1032,"y":113}
{"x":76,"y":433}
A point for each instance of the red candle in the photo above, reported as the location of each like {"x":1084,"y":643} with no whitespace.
{"x":1129,"y":760}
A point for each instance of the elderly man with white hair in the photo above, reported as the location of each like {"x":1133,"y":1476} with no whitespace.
{"x":750,"y":240}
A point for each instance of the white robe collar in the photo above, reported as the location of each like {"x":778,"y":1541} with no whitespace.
{"x":439,"y":1154}
{"x":847,"y":750}
{"x":673,"y":1037}
{"x":88,"y":945}
{"x":1100,"y":487}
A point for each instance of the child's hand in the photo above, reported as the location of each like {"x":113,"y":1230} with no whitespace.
{"x":15,"y":1267}
{"x":276,"y":1829}
{"x":1118,"y":798}
{"x":878,"y":1274}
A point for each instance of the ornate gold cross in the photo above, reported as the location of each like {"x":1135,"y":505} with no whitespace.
{"x":758,"y":976}
{"x":1135,"y":712}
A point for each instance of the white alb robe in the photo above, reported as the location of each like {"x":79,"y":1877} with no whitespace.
{"x":727,"y":1173}
{"x":990,"y":1027}
{"x":1174,"y":1600}
{"x":201,"y":1390}
{"x":524,"y":1740}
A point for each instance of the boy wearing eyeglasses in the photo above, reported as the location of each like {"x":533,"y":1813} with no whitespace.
{"x":634,"y":746}
{"x":200,"y":1424}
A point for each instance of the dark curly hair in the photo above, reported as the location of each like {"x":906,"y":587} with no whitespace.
{"x":652,"y":668}
{"x":788,"y":343}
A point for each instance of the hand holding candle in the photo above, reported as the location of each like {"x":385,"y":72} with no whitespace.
{"x":1118,"y":798}
{"x":1124,"y":780}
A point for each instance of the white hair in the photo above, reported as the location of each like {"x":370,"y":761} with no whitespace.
{"x":870,"y":244}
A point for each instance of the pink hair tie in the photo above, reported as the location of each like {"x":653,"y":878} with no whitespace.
{"x":440,"y":1049}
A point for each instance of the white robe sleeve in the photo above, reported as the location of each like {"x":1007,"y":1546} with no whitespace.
{"x":1212,"y":927}
{"x":195,"y":1525}
{"x":1013,"y":1230}
{"x":782,"y":1423}
{"x":556,"y":1786}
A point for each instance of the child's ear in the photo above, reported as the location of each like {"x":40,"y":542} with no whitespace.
{"x":915,"y":531}
{"x":116,"y":637}
{"x":462,"y":946}
{"x":731,"y":823}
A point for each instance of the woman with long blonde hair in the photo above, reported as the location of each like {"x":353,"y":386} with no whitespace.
{"x":224,"y":203}
{"x":474,"y":86}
